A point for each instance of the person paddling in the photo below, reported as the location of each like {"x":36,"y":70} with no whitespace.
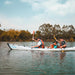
{"x":54,"y":45}
{"x":62,"y":43}
{"x":40,"y":43}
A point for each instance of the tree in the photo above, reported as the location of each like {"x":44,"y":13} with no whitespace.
{"x":5,"y":37}
{"x":0,"y":25}
{"x":24,"y":35}
{"x":57,"y":30}
{"x":46,"y":31}
{"x":38,"y":34}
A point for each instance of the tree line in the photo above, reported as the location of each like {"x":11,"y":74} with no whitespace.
{"x":15,"y":35}
{"x":45,"y":31}
{"x":67,"y":32}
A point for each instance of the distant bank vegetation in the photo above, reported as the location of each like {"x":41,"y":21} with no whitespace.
{"x":45,"y":31}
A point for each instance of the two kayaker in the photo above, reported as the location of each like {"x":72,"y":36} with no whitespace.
{"x":40,"y":43}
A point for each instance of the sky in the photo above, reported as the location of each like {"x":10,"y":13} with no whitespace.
{"x":30,"y":14}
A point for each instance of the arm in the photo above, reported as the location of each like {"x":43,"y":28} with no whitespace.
{"x":35,"y":46}
{"x":34,"y":40}
{"x":58,"y":41}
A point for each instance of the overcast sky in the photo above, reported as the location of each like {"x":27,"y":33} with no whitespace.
{"x":30,"y":14}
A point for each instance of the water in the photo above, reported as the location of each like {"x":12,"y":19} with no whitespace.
{"x":36,"y":62}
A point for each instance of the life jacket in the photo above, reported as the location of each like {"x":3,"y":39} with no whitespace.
{"x":53,"y":46}
{"x":42,"y":44}
{"x":62,"y":43}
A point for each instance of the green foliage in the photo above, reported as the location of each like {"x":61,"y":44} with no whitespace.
{"x":67,"y":32}
{"x":24,"y":35}
{"x":14,"y":35}
{"x":46,"y":32}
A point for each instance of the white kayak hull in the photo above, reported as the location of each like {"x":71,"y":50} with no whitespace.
{"x":17,"y":47}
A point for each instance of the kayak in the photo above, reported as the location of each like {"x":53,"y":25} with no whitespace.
{"x":17,"y":47}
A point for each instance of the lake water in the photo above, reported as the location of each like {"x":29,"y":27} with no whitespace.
{"x":36,"y":62}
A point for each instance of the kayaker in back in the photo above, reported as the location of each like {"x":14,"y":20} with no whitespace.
{"x":62,"y":43}
{"x":40,"y":43}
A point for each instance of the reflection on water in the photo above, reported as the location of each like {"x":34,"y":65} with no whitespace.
{"x":62,"y":56}
{"x":35,"y":62}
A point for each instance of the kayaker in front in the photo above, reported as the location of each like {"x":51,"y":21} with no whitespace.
{"x":40,"y":43}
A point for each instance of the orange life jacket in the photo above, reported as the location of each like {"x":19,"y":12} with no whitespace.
{"x":51,"y":45}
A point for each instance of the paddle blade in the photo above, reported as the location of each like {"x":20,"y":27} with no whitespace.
{"x":33,"y":32}
{"x":33,"y":35}
{"x":54,"y":37}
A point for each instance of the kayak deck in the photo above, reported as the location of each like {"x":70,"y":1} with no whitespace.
{"x":17,"y":47}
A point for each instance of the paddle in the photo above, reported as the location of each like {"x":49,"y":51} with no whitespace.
{"x":56,"y":40}
{"x":54,"y":37}
{"x":33,"y":34}
{"x":33,"y":37}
